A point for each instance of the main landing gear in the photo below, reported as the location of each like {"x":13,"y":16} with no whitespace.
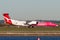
{"x":30,"y":26}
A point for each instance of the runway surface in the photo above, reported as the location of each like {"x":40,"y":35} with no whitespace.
{"x":40,"y":33}
{"x":23,"y":31}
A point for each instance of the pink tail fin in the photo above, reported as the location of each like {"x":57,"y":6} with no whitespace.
{"x":7,"y":18}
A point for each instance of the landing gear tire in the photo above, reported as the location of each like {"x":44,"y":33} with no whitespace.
{"x":28,"y":26}
{"x":32,"y":26}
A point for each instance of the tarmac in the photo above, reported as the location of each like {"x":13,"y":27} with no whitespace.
{"x":27,"y":33}
{"x":41,"y":33}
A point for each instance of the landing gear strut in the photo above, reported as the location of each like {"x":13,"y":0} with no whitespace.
{"x":18,"y":26}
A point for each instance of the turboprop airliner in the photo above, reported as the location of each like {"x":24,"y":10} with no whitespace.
{"x":10,"y":21}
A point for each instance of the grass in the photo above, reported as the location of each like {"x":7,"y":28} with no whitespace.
{"x":30,"y":29}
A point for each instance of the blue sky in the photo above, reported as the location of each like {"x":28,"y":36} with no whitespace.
{"x":31,"y":9}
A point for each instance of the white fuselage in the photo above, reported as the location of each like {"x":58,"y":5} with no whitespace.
{"x":16,"y":22}
{"x":32,"y":22}
{"x":22,"y":23}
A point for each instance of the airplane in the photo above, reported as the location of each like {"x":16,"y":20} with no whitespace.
{"x":42,"y":24}
{"x":29,"y":24}
{"x":10,"y":21}
{"x":47,"y":24}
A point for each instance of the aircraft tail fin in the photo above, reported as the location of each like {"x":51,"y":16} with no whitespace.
{"x":7,"y":18}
